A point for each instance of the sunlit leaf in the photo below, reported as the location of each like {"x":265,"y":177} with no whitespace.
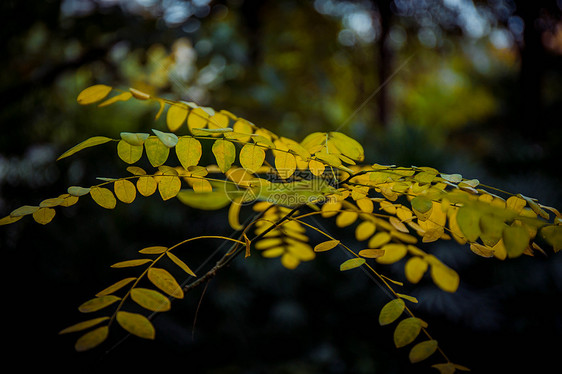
{"x":176,"y":116}
{"x":393,"y":252}
{"x":286,"y":164}
{"x":130,"y":263}
{"x":422,"y":350}
{"x":316,"y":167}
{"x":326,"y":246}
{"x":407,"y":331}
{"x":169,"y":186}
{"x":83,"y":325}
{"x":225,"y":153}
{"x":391,"y":311}
{"x":103,"y":197}
{"x":180,"y":263}
{"x":371,"y":253}
{"x":156,"y":151}
{"x":93,"y":94}
{"x":252,"y":157}
{"x":134,"y":138}
{"x":44,"y":215}
{"x":197,"y":118}
{"x":115,"y":287}
{"x":167,"y":138}
{"x":124,"y":96}
{"x":91,"y":339}
{"x":137,"y":94}
{"x":91,"y":142}
{"x":146,"y":185}
{"x":379,"y":239}
{"x":415,"y":268}
{"x":136,"y":324}
{"x":348,"y":146}
{"x":515,"y":240}
{"x":129,"y":153}
{"x":150,"y":299}
{"x":364,"y":230}
{"x":162,"y":279}
{"x":352,"y":264}
{"x":207,"y":201}
{"x":346,"y":218}
{"x":98,"y":303}
{"x":189,"y":151}
{"x":125,"y":190}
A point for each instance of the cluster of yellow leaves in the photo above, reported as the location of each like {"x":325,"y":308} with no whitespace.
{"x":154,"y":300}
{"x":287,"y":240}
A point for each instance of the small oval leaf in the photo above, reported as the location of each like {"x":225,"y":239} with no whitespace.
{"x":165,"y":281}
{"x":136,"y":324}
{"x":352,"y":264}
{"x":326,"y":246}
{"x":391,"y":311}
{"x":92,"y":339}
{"x":422,"y":350}
{"x":150,"y":299}
{"x":98,"y":303}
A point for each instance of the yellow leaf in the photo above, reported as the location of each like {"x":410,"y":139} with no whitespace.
{"x":371,"y":253}
{"x":407,"y":331}
{"x":444,"y":277}
{"x":515,"y":203}
{"x":286,"y":164}
{"x":129,"y":153}
{"x":125,"y":190}
{"x":392,"y":253}
{"x":91,"y":339}
{"x":331,"y":208}
{"x":225,"y":153}
{"x":326,"y":246}
{"x":346,"y":218}
{"x":207,"y":201}
{"x":407,"y":297}
{"x":44,"y":215}
{"x":98,"y":303}
{"x":197,"y":118}
{"x":348,"y":146}
{"x":169,"y":186}
{"x":252,"y":157}
{"x":150,"y":299}
{"x":180,"y":263}
{"x":146,"y":185}
{"x":468,"y":221}
{"x":9,"y":219}
{"x":422,"y":350}
{"x":124,"y":96}
{"x":391,"y":311}
{"x":130,"y":263}
{"x":415,"y":268}
{"x":156,"y":151}
{"x":83,"y":325}
{"x":364,"y":230}
{"x":242,"y":126}
{"x":154,"y":250}
{"x":535,"y":207}
{"x":91,"y":142}
{"x":316,"y":167}
{"x":395,"y":222}
{"x":136,"y":324}
{"x":137,"y":94}
{"x":165,"y":281}
{"x":93,"y":94}
{"x":52,"y":202}
{"x":433,"y":234}
{"x":103,"y":197}
{"x":365,"y":204}
{"x":115,"y":287}
{"x":482,"y":250}
{"x":379,"y":239}
{"x":352,"y":264}
{"x":188,"y":150}
{"x":177,"y":113}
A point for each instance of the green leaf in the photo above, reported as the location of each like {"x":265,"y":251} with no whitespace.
{"x":422,"y":207}
{"x":168,"y":139}
{"x":91,"y":142}
{"x":407,"y":331}
{"x":136,"y":324}
{"x":188,"y":151}
{"x":352,"y":264}
{"x":422,"y":350}
{"x":93,"y":94}
{"x":92,"y":339}
{"x":98,"y":303}
{"x":151,"y":299}
{"x":115,"y":287}
{"x":83,"y":325}
{"x":165,"y":281}
{"x":156,"y":151}
{"x":23,"y":211}
{"x":468,"y":220}
{"x":180,"y":263}
{"x":326,"y":246}
{"x":225,"y":154}
{"x":78,"y":191}
{"x":515,"y":240}
{"x":553,"y":236}
{"x":391,"y":311}
{"x":134,"y":138}
{"x":535,"y":207}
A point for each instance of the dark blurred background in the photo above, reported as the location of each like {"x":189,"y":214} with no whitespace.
{"x":470,"y":87}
